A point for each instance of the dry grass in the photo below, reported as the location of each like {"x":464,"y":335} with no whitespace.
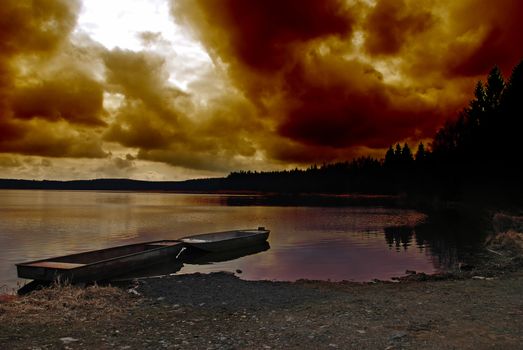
{"x":65,"y":302}
{"x":4,"y":298}
{"x":508,"y":237}
{"x":510,"y":242}
{"x":503,"y":223}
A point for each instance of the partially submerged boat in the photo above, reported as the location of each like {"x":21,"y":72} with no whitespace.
{"x":100,"y":264}
{"x":227,"y":240}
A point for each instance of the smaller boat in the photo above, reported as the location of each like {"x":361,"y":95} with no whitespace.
{"x":99,"y":265}
{"x":228,"y":240}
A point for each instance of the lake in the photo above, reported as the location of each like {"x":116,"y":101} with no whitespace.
{"x":310,"y":242}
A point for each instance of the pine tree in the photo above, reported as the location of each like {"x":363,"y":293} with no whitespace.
{"x":406,"y":154}
{"x":494,"y":89}
{"x":493,"y":130}
{"x":477,"y":106}
{"x":397,"y":152}
{"x":390,"y":158}
{"x":421,"y":155}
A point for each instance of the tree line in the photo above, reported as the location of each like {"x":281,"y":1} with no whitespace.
{"x":475,"y":156}
{"x":479,"y":153}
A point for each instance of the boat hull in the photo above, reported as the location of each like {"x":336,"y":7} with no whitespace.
{"x":100,"y":264}
{"x":224,"y":241}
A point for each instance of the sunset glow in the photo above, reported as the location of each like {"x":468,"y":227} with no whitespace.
{"x":169,"y":90}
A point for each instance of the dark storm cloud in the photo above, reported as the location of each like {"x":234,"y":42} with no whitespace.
{"x":348,"y":75}
{"x":291,"y":82}
{"x":288,"y":57}
{"x":345,"y":104}
{"x":393,"y":23}
{"x":498,"y":31}
{"x":263,"y":34}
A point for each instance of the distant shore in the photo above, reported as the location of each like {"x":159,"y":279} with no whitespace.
{"x":235,"y":197}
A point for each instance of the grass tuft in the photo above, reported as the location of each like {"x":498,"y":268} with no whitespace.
{"x":68,"y":302}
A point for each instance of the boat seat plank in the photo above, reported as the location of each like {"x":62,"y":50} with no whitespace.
{"x":56,"y":265}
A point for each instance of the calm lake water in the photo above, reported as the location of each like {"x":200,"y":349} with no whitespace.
{"x":326,"y":243}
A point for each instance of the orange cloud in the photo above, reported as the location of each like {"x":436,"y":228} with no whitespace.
{"x":291,"y":82}
{"x":149,"y":116}
{"x":391,"y":24}
{"x":40,"y":105}
{"x":35,"y":26}
{"x":335,"y":77}
{"x":9,"y":162}
{"x":498,"y":36}
{"x":70,"y":96}
{"x":164,"y":124}
{"x":40,"y":137}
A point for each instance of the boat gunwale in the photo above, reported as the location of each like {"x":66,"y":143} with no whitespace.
{"x":28,"y":264}
{"x":253,"y":232}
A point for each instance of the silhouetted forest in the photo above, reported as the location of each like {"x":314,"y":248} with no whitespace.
{"x":475,"y":156}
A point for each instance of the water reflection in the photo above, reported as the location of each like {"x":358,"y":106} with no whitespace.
{"x":451,"y":236}
{"x":399,"y":236}
{"x":315,"y":242}
{"x":192,"y":256}
{"x":201,"y":257}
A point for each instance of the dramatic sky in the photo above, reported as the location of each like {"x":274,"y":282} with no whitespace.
{"x":173,"y":89}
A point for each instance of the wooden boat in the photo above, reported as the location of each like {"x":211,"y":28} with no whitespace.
{"x":228,"y":240}
{"x":105,"y":264}
{"x":101,"y":264}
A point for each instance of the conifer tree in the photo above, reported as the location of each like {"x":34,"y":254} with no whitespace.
{"x":389,"y":157}
{"x":477,"y":106}
{"x":494,"y":89}
{"x":406,"y":154}
{"x":397,"y":152}
{"x":421,"y":155}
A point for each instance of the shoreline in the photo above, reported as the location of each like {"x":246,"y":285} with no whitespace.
{"x":219,"y":311}
{"x":479,"y":307}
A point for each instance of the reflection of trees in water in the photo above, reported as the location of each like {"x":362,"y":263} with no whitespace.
{"x":451,"y":237}
{"x":399,"y":236}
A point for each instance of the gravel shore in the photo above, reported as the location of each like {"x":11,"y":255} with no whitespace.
{"x":220,"y":311}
